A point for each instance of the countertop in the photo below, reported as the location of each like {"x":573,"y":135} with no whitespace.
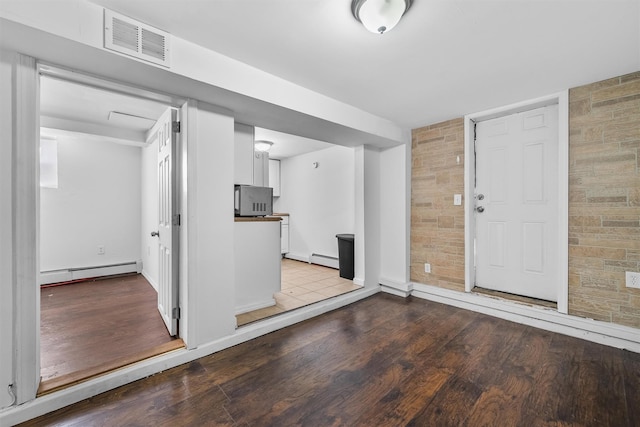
{"x":257,"y":218}
{"x":280,"y":214}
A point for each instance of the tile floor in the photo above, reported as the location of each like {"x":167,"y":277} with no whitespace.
{"x":302,"y":284}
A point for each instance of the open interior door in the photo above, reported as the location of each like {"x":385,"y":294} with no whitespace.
{"x":168,"y":221}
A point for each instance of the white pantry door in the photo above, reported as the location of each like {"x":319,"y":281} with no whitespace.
{"x":516,"y":204}
{"x":167,"y":225}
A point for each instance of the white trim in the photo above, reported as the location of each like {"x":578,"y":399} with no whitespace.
{"x":324,"y":260}
{"x":398,"y":289}
{"x":358,"y":281}
{"x":26,"y":244}
{"x":187,"y":296}
{"x":296,"y":257}
{"x":151,"y":281}
{"x":56,"y":276}
{"x":76,"y":393}
{"x":544,"y":318}
{"x":563,"y":201}
{"x":562,"y":100}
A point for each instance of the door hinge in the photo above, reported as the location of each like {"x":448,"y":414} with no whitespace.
{"x":176,"y":219}
{"x":175,"y":313}
{"x":175,"y":127}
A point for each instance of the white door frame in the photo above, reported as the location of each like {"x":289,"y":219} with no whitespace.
{"x":27,"y":209}
{"x":562,"y":240}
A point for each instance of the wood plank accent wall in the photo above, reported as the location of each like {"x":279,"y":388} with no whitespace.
{"x":437,"y":226}
{"x":604,"y":201}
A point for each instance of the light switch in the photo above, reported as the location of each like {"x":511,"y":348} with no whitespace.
{"x":457,"y":199}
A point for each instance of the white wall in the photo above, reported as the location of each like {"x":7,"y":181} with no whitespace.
{"x":149,"y":211}
{"x":208,"y":252}
{"x":367,"y":216}
{"x":97,"y":203}
{"x":395,"y":197}
{"x":320,"y":200}
{"x":6,"y":229}
{"x":372,"y":225}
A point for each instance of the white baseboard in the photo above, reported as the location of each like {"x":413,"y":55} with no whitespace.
{"x":152,"y":282}
{"x":297,"y":257}
{"x":325,"y":261}
{"x":315,"y":259}
{"x":255,"y":306}
{"x":66,"y":275}
{"x":610,"y":334}
{"x":395,"y":288}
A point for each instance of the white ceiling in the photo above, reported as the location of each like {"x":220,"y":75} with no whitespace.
{"x":74,"y":107}
{"x":69,"y":108}
{"x":286,"y":145}
{"x":446,"y":58}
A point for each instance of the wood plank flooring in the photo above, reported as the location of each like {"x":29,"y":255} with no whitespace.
{"x":91,"y":327}
{"x":385,"y":361}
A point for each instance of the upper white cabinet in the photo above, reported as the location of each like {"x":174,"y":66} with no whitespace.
{"x":274,"y":176}
{"x":243,"y":144}
{"x":261,"y":168}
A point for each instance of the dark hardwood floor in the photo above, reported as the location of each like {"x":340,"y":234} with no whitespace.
{"x":385,"y":361}
{"x":92,"y":327}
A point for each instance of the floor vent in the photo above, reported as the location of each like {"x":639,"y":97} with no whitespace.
{"x":125,"y":35}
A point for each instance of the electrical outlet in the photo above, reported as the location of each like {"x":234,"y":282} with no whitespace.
{"x":457,"y":199}
{"x":427,"y":268}
{"x":100,"y":250}
{"x":633,"y":279}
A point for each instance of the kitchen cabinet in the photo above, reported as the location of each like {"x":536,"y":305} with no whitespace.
{"x":261,"y":169}
{"x":284,"y":234}
{"x":243,"y":154}
{"x":257,"y":263}
{"x":274,"y":176}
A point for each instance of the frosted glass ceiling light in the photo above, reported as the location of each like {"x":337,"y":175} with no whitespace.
{"x":379,"y":16}
{"x":262,"y":145}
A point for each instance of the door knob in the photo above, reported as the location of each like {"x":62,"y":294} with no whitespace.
{"x":480,"y":196}
{"x":155,"y":233}
{"x":480,"y":209}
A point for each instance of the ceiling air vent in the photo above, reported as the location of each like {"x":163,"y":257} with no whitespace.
{"x":133,"y":38}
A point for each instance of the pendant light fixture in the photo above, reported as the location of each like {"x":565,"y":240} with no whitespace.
{"x":379,"y":16}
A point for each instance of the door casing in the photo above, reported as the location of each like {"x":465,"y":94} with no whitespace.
{"x":562,"y":240}
{"x":27,"y":209}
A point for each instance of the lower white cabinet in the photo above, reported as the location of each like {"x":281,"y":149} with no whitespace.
{"x":284,"y":234}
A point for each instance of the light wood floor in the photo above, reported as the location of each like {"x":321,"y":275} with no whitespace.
{"x":92,"y":327}
{"x":384,"y":361}
{"x":302,"y":284}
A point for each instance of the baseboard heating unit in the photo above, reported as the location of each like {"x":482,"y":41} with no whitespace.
{"x":325,"y":260}
{"x":71,"y":274}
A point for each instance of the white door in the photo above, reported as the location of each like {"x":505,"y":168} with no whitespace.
{"x":516,"y":204}
{"x":167,"y":232}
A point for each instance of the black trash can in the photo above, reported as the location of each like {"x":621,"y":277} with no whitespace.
{"x":345,"y":255}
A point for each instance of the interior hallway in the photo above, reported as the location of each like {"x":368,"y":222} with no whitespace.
{"x":302,"y":284}
{"x":92,"y":327}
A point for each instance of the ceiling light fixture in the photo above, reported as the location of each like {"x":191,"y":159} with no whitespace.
{"x":379,"y":16}
{"x":262,"y":145}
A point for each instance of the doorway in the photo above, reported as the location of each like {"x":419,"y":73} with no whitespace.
{"x":95,"y":222}
{"x":516,"y":210}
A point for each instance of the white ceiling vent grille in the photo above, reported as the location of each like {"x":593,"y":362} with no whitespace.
{"x":136,"y":39}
